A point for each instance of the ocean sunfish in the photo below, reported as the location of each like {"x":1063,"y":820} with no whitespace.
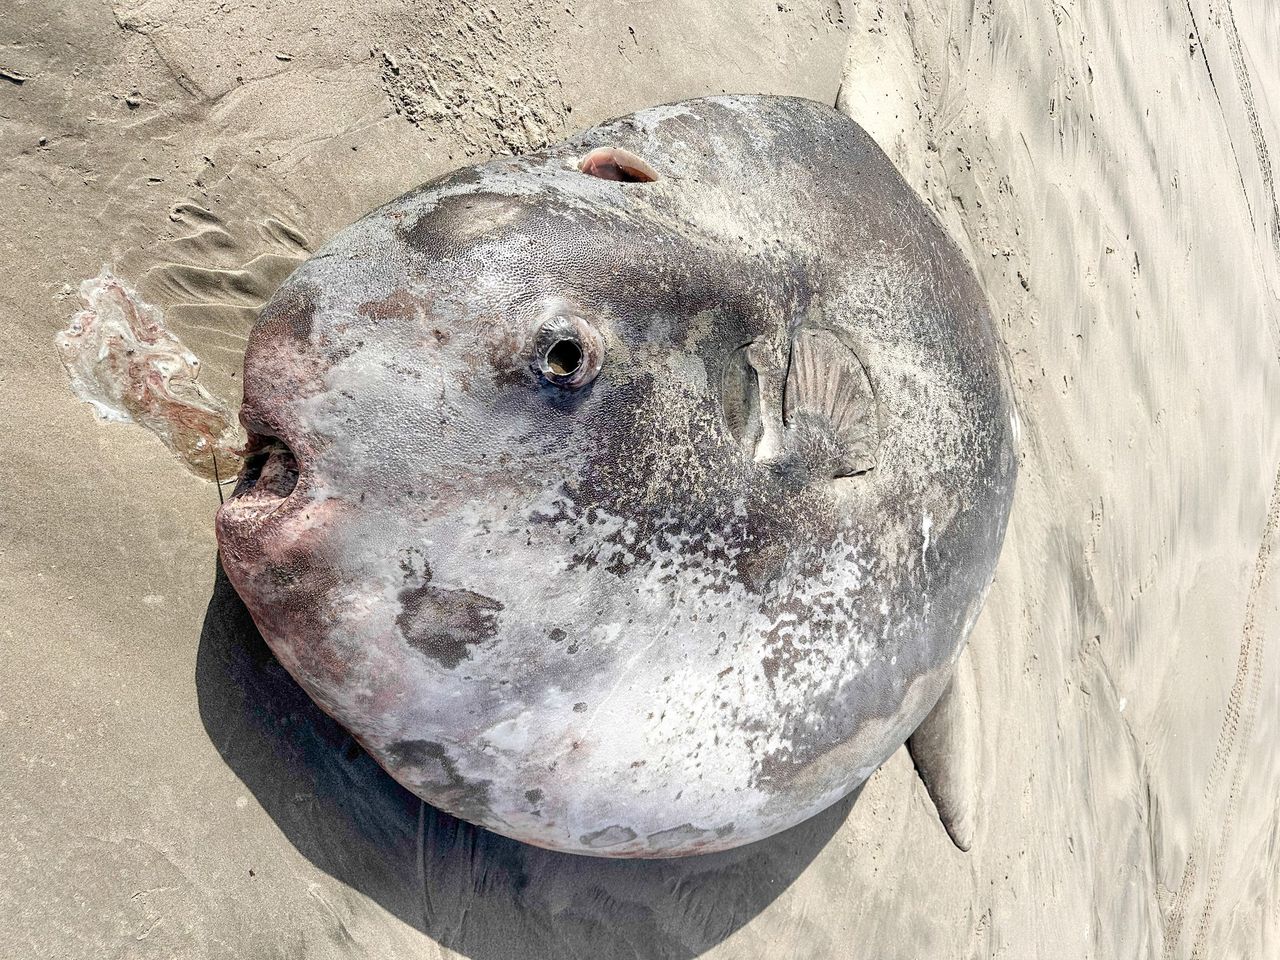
{"x":634,"y":497}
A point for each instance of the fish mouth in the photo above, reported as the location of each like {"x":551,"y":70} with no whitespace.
{"x":270,"y":495}
{"x":269,"y":475}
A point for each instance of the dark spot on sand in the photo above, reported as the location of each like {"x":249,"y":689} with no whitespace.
{"x":533,"y":796}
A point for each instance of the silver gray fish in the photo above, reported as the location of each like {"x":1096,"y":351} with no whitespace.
{"x":634,"y":497}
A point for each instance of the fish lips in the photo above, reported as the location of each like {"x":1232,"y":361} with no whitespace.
{"x":273,"y":489}
{"x":275,"y":534}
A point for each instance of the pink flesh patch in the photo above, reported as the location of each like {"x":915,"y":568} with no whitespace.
{"x":125,"y":363}
{"x":615,"y":163}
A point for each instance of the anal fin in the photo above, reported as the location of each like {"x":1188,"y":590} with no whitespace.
{"x":944,"y":749}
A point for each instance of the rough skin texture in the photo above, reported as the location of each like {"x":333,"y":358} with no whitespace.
{"x":611,"y":620}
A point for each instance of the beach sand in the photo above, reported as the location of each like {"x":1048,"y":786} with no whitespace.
{"x":1108,"y":169}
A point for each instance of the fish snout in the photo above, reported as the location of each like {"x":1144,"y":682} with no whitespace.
{"x":272,"y":489}
{"x":270,"y":472}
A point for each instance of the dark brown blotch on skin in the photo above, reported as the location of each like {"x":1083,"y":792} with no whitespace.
{"x":756,"y":545}
{"x":442,"y":623}
{"x":761,"y":564}
{"x":289,"y":314}
{"x":400,"y":304}
{"x":675,"y":836}
{"x":508,"y":358}
{"x":608,"y":837}
{"x":464,"y":798}
{"x":456,"y":221}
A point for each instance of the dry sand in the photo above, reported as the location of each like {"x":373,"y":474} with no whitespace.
{"x":166,"y":791}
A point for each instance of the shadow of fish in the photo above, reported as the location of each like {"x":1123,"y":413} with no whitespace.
{"x":634,"y":497}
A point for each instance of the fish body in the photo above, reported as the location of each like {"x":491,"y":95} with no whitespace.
{"x":634,"y":497}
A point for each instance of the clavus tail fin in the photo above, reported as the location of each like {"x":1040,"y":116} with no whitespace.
{"x":944,"y":749}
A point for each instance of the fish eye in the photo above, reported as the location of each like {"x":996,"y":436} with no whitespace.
{"x":564,"y":358}
{"x":567,"y":352}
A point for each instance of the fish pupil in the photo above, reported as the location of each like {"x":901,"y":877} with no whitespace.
{"x":564,"y":357}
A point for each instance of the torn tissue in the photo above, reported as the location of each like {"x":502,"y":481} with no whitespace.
{"x":126,"y":363}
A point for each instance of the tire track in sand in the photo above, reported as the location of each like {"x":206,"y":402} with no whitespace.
{"x":1254,"y":637}
{"x":1245,"y":85}
{"x":1242,"y":716}
{"x":1242,"y":702}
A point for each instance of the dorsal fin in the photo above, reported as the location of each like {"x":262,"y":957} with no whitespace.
{"x":829,"y":397}
{"x":944,"y":749}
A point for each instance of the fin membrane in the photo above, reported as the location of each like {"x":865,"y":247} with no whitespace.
{"x":944,"y":749}
{"x":829,"y":397}
{"x":740,"y":390}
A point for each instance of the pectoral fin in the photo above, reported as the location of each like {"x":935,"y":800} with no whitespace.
{"x":944,"y":749}
{"x":829,"y":406}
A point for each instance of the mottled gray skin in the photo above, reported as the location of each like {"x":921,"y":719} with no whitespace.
{"x":597,"y":620}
